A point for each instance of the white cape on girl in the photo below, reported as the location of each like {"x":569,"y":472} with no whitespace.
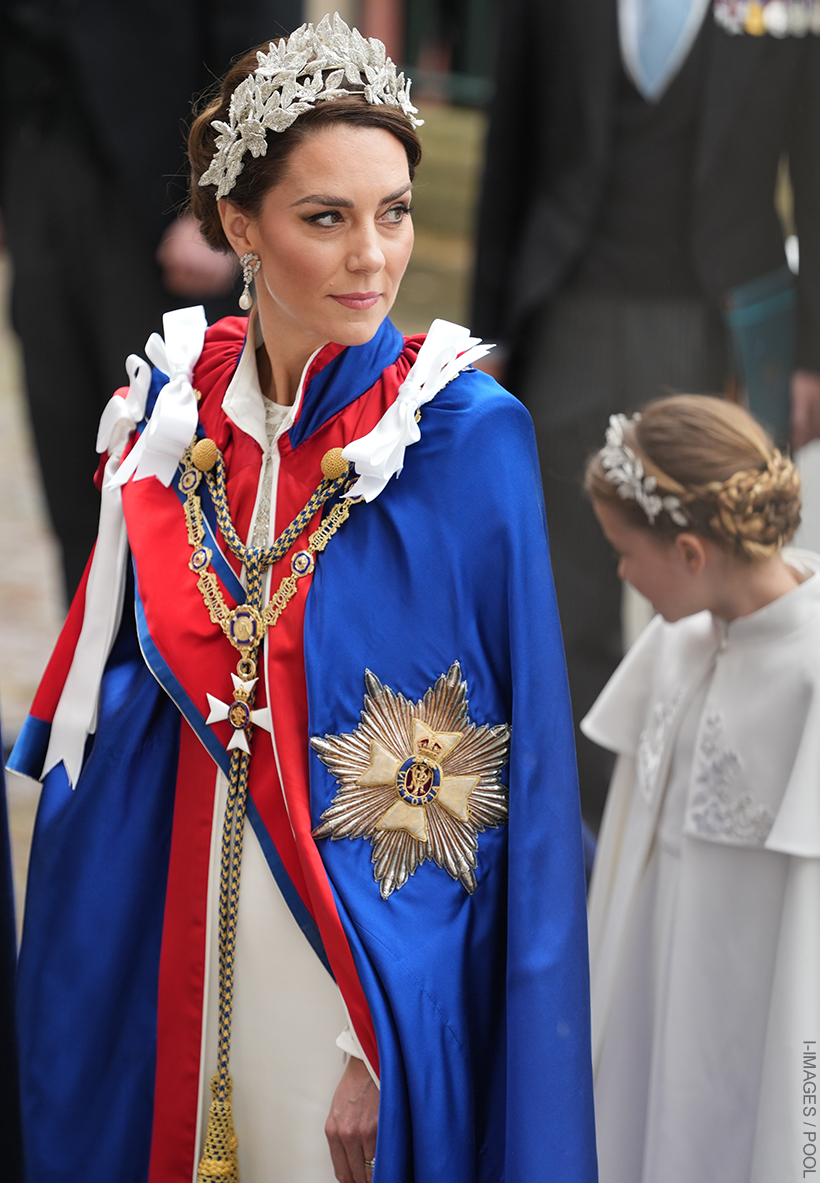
{"x":705,"y":899}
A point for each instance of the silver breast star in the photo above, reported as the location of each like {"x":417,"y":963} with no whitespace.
{"x":419,"y":780}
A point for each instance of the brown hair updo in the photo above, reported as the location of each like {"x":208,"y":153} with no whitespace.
{"x":732,"y":483}
{"x":260,"y":174}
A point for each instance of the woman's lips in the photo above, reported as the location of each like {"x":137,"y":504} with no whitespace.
{"x":358,"y":300}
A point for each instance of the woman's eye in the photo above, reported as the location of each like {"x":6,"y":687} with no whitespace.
{"x":330,"y":217}
{"x":397,"y":213}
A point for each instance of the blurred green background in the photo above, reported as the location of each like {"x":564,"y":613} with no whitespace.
{"x":444,"y":199}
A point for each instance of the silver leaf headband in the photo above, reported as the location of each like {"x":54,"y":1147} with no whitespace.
{"x":289,"y":80}
{"x":625,"y":470}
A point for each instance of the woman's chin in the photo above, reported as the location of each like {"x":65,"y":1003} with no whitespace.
{"x":359,"y":327}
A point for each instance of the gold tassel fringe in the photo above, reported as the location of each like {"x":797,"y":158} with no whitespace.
{"x":219,"y":1163}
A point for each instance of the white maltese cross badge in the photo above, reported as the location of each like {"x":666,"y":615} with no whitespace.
{"x":418,"y":779}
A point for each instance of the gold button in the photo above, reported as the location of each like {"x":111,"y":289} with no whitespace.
{"x":334,"y":465}
{"x":204,"y":454}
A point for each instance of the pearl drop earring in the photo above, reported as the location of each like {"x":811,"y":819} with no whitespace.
{"x":250,"y":264}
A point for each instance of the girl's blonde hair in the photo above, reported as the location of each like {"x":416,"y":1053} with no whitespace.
{"x":733,"y":484}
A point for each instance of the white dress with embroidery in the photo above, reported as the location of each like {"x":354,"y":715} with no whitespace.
{"x":705,"y":900}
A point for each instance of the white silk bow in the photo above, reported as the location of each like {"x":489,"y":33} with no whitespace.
{"x":172,"y":425}
{"x":122,"y":415}
{"x":379,"y":455}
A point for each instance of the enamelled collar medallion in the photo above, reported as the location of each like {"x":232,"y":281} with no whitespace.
{"x":245,"y":626}
{"x":419,"y":780}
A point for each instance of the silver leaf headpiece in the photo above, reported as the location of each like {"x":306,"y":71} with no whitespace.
{"x":290,"y":79}
{"x":625,"y":470}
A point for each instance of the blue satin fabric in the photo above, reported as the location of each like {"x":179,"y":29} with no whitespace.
{"x":29,"y":752}
{"x":347,"y":376}
{"x":480,"y":1002}
{"x":10,"y":1132}
{"x":87,"y":981}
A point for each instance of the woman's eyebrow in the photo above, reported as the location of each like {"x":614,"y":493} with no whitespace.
{"x":324,"y":199}
{"x":395,"y":196}
{"x":344,"y":202}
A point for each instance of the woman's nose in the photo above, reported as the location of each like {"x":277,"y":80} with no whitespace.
{"x":365,"y":252}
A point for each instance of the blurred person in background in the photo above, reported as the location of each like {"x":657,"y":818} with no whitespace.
{"x":94,"y":99}
{"x":628,"y":243}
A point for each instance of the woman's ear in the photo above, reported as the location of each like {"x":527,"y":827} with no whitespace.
{"x":691,"y":551}
{"x":237,"y":226}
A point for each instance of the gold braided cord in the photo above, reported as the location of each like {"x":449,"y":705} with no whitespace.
{"x":268,"y":555}
{"x":219,"y":1162}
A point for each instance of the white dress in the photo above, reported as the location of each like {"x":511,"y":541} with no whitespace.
{"x":288,"y":1012}
{"x":705,"y":900}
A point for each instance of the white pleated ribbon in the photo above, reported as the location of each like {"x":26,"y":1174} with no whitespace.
{"x":172,"y":425}
{"x":76,"y":715}
{"x":379,"y":455}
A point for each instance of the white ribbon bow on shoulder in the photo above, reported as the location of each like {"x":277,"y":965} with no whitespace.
{"x":157,"y":453}
{"x":172,"y":425}
{"x":379,"y":455}
{"x":121,"y":415}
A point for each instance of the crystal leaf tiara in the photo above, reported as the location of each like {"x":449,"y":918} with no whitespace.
{"x":290,"y":79}
{"x":625,"y":470}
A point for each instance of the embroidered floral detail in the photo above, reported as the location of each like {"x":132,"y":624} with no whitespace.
{"x":717,"y":810}
{"x":652,"y":742}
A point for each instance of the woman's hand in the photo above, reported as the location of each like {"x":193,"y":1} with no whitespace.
{"x":189,"y":267}
{"x":494,"y":364}
{"x":352,"y":1123}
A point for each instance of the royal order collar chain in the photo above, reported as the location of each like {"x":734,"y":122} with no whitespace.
{"x":245,"y":627}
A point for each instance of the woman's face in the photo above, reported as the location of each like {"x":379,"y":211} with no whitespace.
{"x":334,"y":237}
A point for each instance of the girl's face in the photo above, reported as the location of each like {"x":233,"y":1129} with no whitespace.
{"x":669,"y":572}
{"x":334,"y":237}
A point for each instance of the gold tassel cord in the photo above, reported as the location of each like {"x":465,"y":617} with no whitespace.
{"x":219,"y":1162}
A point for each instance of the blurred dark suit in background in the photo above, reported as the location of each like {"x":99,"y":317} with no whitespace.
{"x":96,"y":95}
{"x":610,"y":231}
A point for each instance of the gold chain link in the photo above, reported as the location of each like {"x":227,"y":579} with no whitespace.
{"x":219,"y":1162}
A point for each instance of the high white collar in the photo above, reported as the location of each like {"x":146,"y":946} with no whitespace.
{"x":243,"y":401}
{"x":788,"y":612}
